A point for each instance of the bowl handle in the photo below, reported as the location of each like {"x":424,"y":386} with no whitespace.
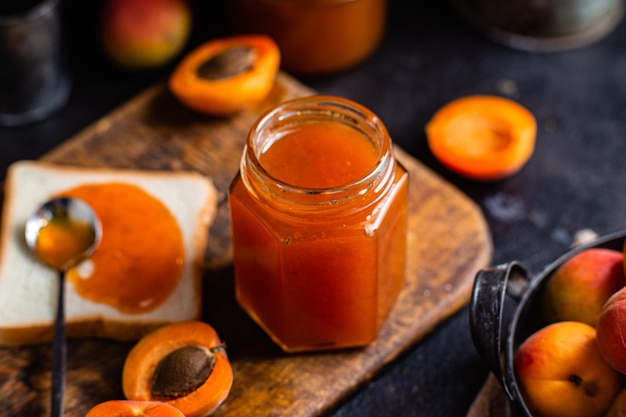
{"x":487,"y":305}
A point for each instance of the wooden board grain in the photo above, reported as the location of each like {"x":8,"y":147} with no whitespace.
{"x":448,"y":241}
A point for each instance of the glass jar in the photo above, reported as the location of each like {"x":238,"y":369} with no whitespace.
{"x":318,"y":216}
{"x":315,"y":36}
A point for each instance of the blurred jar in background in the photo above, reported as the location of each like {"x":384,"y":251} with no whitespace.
{"x":315,"y":37}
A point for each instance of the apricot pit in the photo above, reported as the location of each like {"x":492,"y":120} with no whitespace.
{"x":182,"y":371}
{"x":228,"y":63}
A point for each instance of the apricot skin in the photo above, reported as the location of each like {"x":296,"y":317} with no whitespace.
{"x":618,"y":408}
{"x":562,"y":373}
{"x":579,"y":288}
{"x":612,"y":331}
{"x":144,"y":34}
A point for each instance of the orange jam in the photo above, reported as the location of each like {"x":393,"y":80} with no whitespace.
{"x":140,"y":257}
{"x":62,"y":240}
{"x":293,"y":159}
{"x":318,"y":216}
{"x":315,"y":36}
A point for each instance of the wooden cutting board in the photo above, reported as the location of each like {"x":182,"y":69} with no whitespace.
{"x":448,"y":241}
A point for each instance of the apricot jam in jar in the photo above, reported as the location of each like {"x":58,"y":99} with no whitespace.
{"x":315,"y":37}
{"x":318,"y":216}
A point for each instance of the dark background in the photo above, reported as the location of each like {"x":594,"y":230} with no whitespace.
{"x":575,"y":180}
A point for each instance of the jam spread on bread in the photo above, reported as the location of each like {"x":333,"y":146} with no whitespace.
{"x":140,"y":258}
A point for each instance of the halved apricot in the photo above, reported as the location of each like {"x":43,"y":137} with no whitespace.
{"x":482,"y":137}
{"x":226,"y":75}
{"x":182,"y":364}
{"x":125,"y":408}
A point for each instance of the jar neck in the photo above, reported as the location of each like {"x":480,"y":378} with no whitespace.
{"x":353,"y":195}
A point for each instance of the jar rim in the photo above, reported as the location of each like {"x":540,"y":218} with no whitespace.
{"x":327,"y":108}
{"x":355,"y":195}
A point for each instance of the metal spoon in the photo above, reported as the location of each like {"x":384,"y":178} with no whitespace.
{"x":73,"y":219}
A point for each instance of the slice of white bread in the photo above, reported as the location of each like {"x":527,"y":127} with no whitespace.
{"x":28,"y":289}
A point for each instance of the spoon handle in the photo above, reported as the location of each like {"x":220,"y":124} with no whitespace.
{"x":59,"y":353}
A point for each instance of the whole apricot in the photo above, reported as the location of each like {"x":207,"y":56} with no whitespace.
{"x":183,"y":364}
{"x":618,"y":407}
{"x":581,"y":285}
{"x":612,"y":331}
{"x":562,"y":373}
{"x":144,"y":34}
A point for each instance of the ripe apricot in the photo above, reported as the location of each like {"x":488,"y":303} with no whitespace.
{"x":226,"y":75}
{"x":182,"y":364}
{"x":579,"y":288}
{"x":144,"y":34}
{"x":562,"y":373}
{"x":123,"y":408}
{"x":482,"y":137}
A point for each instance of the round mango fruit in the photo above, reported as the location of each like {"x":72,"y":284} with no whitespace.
{"x":226,"y":75}
{"x":144,"y":34}
{"x":181,"y":364}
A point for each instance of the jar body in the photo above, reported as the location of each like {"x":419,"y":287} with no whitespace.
{"x":319,"y":269}
{"x":315,"y":36}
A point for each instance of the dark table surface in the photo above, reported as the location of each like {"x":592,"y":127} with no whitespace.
{"x":574,"y":181}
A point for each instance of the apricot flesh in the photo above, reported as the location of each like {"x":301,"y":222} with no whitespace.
{"x":124,"y":408}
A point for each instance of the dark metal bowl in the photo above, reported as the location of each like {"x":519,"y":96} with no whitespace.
{"x":542,"y":26}
{"x":504,"y":311}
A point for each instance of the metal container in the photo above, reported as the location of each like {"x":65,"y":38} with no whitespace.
{"x":543,"y":25}
{"x":504,"y":311}
{"x":34,"y":80}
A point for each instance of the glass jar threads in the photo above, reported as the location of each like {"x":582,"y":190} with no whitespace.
{"x":318,"y":216}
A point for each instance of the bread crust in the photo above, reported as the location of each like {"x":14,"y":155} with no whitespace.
{"x":28,"y":288}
